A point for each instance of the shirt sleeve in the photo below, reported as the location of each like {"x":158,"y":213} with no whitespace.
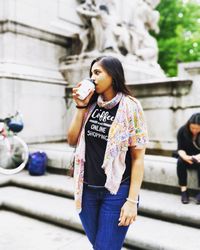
{"x":138,"y":136}
{"x":181,"y":145}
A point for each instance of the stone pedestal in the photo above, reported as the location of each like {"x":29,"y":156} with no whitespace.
{"x":75,"y":68}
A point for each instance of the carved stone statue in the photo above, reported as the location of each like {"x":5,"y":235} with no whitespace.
{"x":104,"y":27}
{"x":99,"y":25}
{"x":145,"y":20}
{"x":129,"y":36}
{"x":119,"y":28}
{"x":87,"y":11}
{"x":139,"y":19}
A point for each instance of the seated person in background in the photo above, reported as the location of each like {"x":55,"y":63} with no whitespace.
{"x":188,"y":154}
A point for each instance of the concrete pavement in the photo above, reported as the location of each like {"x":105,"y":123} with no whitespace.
{"x":19,"y":232}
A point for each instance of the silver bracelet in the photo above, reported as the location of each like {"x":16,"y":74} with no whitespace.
{"x":132,"y":201}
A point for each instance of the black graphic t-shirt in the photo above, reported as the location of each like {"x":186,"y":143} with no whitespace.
{"x":96,"y":136}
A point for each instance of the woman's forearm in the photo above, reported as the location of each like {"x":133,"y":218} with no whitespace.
{"x":184,"y":156}
{"x":182,"y":153}
{"x":137,"y":174}
{"x":75,"y":127}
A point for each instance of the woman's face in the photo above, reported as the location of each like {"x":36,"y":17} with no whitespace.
{"x":194,"y":128}
{"x":102,"y":79}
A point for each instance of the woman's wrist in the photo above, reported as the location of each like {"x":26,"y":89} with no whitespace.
{"x":81,"y":107}
{"x":132,"y":201}
{"x":81,"y":112}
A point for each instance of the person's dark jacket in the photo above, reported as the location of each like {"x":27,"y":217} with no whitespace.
{"x":184,"y":139}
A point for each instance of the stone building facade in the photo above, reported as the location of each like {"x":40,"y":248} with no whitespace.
{"x":37,"y":36}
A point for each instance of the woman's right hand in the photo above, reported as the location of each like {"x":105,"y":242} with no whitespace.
{"x":188,"y":159}
{"x":76,"y":96}
{"x":185,"y":157}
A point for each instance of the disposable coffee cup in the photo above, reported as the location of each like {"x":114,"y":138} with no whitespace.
{"x":86,"y":86}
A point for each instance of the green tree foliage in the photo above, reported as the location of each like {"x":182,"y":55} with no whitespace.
{"x":179,"y":37}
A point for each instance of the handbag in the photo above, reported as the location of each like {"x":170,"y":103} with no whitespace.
{"x":37,"y":163}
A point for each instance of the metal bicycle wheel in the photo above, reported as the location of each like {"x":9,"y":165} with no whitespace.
{"x":14,"y":154}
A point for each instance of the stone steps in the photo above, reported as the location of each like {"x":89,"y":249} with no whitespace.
{"x":153,"y":204}
{"x":41,"y":235}
{"x":163,"y":221}
{"x":48,"y":198}
{"x":160,"y":174}
{"x":146,"y":233}
{"x":160,"y":171}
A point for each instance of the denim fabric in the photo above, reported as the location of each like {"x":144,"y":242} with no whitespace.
{"x":100,"y":216}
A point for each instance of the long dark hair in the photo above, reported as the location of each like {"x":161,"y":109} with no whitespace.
{"x":114,"y":68}
{"x":194,"y":119}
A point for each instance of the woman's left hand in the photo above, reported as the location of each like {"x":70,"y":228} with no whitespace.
{"x":196,"y":157}
{"x":128,"y":214}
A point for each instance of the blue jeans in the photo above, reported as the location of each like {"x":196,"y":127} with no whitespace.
{"x":100,"y":217}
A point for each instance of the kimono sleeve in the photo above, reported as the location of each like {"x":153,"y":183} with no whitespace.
{"x":138,"y":136}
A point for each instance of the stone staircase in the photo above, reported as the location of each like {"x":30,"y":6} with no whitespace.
{"x":20,"y":232}
{"x":163,"y":222}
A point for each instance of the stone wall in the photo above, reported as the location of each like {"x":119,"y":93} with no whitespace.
{"x":168,"y":104}
{"x":33,"y":36}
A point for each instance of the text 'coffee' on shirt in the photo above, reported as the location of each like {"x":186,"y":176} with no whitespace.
{"x":96,"y":136}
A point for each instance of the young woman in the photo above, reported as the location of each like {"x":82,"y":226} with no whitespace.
{"x":188,"y":138}
{"x":110,"y":133}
